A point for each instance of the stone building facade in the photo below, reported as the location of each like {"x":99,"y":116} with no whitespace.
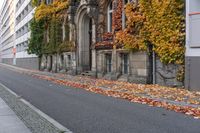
{"x":93,"y":24}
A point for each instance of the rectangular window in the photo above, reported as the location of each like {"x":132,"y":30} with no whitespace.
{"x":62,"y":59}
{"x":123,"y":13}
{"x":110,"y":15}
{"x":125,"y":63}
{"x":68,"y":60}
{"x":194,"y":31}
{"x":108,"y":63}
{"x":110,"y":23}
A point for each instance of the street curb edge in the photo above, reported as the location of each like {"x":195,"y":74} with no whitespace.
{"x":45,"y":116}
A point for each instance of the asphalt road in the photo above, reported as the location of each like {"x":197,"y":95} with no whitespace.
{"x":85,"y":112}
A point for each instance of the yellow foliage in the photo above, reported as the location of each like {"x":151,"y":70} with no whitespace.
{"x":34,"y":2}
{"x":164,"y":28}
{"x":44,"y":11}
{"x":131,"y":36}
{"x":159,"y":22}
{"x":130,"y":42}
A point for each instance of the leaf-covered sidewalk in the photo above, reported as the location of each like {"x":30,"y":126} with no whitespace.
{"x":179,"y":100}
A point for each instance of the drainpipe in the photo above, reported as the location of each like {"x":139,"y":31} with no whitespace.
{"x":76,"y":56}
{"x":187,"y":74}
{"x":96,"y":63}
{"x":154,"y":67}
{"x":94,"y":47}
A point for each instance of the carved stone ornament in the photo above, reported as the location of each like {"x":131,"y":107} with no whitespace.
{"x":92,"y":12}
{"x":92,"y":8}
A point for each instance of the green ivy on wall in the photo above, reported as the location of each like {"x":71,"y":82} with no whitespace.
{"x":36,"y":41}
{"x":47,"y":29}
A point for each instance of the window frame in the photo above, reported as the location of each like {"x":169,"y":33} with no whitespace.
{"x":123,"y":13}
{"x":123,"y":55}
{"x":110,"y":17}
{"x":108,"y":62}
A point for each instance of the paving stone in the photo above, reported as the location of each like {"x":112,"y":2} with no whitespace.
{"x":9,"y":122}
{"x":34,"y":121}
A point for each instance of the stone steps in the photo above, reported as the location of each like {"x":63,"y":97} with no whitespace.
{"x":88,"y":73}
{"x":123,"y":78}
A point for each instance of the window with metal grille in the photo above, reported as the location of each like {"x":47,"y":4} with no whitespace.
{"x":108,"y":63}
{"x":125,"y":63}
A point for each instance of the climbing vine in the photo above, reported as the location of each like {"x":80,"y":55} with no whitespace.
{"x":51,"y":18}
{"x":55,"y":9}
{"x":35,"y":2}
{"x":164,"y":28}
{"x":107,"y":41}
{"x":160,"y":23}
{"x":36,"y":40}
{"x":131,"y":37}
{"x":117,"y":16}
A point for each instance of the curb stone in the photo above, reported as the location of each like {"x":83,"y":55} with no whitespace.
{"x":33,"y":118}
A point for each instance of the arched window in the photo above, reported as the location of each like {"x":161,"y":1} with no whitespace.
{"x":110,"y":14}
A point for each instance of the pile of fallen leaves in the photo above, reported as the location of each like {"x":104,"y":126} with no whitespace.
{"x":179,"y":100}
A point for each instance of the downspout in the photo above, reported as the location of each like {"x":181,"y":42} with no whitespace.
{"x":154,"y":67}
{"x":96,"y":73}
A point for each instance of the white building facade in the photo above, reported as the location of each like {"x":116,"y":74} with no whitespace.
{"x":7,"y":32}
{"x":14,"y":51}
{"x":192,"y":73}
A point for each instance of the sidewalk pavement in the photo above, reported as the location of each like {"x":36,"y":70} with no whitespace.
{"x":9,"y":122}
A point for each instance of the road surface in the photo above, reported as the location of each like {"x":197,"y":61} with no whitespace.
{"x":86,"y":112}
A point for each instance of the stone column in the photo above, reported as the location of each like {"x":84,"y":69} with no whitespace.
{"x":130,"y":63}
{"x":49,"y":63}
{"x":54,"y":63}
{"x":66,"y":61}
{"x":119,"y":62}
{"x":114,"y":60}
{"x":114,"y":63}
{"x":43,"y":63}
{"x":73,"y":63}
{"x":94,"y":60}
{"x":59,"y":63}
{"x":101,"y":65}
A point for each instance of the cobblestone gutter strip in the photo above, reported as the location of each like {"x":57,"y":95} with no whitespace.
{"x":34,"y":119}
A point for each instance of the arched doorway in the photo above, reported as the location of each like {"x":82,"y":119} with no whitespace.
{"x":84,"y":41}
